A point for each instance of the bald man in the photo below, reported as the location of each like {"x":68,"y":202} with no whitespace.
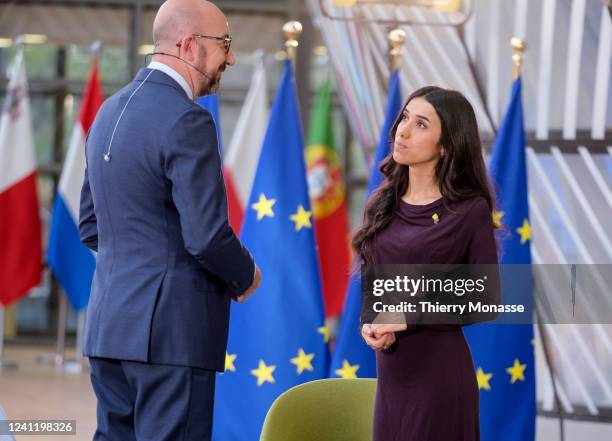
{"x":153,"y":207}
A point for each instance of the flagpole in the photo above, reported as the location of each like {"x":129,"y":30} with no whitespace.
{"x":519,"y":46}
{"x":57,"y":357}
{"x":96,"y":49}
{"x":1,"y":336}
{"x":76,"y":366}
{"x":62,"y":323}
{"x":8,"y":365}
{"x":4,"y":365}
{"x":396,"y":39}
{"x":292,"y":30}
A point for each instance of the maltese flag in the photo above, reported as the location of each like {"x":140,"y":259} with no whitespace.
{"x":20,"y":237}
{"x":72,"y":262}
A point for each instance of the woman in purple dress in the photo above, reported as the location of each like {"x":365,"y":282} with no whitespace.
{"x":434,"y":207}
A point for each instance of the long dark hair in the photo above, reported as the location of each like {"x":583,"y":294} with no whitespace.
{"x":461,"y":172}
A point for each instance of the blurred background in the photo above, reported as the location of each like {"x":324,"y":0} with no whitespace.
{"x":567,"y":102}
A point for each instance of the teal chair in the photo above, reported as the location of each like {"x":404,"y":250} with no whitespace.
{"x":323,"y":410}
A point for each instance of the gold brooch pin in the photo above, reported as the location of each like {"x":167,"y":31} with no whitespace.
{"x":435,"y":217}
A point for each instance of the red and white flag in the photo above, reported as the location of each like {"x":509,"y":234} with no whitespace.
{"x":20,"y":237}
{"x":244,"y":149}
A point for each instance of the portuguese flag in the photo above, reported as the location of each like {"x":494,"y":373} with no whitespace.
{"x":327,"y":194}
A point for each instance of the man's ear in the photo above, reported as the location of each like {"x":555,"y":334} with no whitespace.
{"x":187,"y":47}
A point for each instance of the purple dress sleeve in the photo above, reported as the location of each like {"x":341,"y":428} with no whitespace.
{"x":482,"y":248}
{"x":477,"y":228}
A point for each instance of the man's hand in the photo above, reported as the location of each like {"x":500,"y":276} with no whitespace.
{"x":252,"y":288}
{"x":377,"y":342}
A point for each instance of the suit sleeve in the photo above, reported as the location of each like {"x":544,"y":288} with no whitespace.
{"x":193,"y":165}
{"x":88,"y":224}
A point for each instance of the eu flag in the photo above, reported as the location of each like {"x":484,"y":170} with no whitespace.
{"x":503,"y":354}
{"x":211,"y":103}
{"x":352,"y":357}
{"x":276,"y":338}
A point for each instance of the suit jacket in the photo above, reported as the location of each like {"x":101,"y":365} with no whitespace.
{"x":156,"y":213}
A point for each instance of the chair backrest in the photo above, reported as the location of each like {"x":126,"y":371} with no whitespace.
{"x":323,"y":410}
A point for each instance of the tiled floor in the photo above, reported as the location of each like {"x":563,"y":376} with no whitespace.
{"x":35,"y":391}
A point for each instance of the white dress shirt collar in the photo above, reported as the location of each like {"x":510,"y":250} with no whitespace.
{"x":172,"y":74}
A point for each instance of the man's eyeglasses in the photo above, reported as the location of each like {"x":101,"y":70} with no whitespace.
{"x":226,"y":41}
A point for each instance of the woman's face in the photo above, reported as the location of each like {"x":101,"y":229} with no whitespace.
{"x":417,"y":138}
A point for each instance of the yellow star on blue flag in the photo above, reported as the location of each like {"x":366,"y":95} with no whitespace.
{"x":516,"y":371}
{"x":324,"y":331}
{"x":229,"y":362}
{"x":301,"y":218}
{"x":263,"y":373}
{"x":524,"y":231}
{"x":303,"y":361}
{"x":347,"y":370}
{"x":483,"y":379}
{"x":497,"y":218}
{"x":263,"y":207}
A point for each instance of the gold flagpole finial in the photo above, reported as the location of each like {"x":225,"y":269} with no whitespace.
{"x":292,"y":30}
{"x":519,"y":46}
{"x":396,"y":39}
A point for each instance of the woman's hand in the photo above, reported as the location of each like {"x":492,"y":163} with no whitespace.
{"x":382,"y":329}
{"x":381,"y":333}
{"x":377,"y":342}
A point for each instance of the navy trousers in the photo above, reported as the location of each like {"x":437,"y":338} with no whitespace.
{"x":152,"y":402}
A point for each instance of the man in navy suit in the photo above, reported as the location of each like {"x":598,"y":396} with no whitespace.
{"x":153,"y":207}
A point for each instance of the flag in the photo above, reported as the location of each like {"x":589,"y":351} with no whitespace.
{"x":243,"y":152}
{"x":211,"y":103}
{"x":20,"y":236}
{"x":72,"y":262}
{"x":276,"y":338}
{"x":503,"y":354}
{"x":328,"y":198}
{"x":352,"y":357}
